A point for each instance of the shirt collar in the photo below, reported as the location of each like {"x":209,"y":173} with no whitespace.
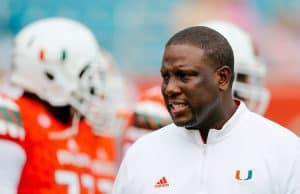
{"x":216,"y":135}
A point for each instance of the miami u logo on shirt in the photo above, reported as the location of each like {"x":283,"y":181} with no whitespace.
{"x":241,"y":176}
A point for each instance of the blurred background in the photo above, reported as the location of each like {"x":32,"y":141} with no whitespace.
{"x":135,"y":31}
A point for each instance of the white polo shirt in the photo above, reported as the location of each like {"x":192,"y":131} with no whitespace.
{"x":249,"y":155}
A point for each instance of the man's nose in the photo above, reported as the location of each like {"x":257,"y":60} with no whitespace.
{"x":171,"y":87}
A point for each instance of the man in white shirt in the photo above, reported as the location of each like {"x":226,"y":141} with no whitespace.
{"x":215,"y":145}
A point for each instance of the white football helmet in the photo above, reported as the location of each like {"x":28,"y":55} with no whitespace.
{"x":116,"y":99}
{"x":49,"y":55}
{"x":90,"y":98}
{"x":250,"y":71}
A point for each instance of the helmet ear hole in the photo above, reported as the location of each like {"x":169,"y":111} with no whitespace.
{"x":92,"y":90}
{"x":50,"y":76}
{"x":242,"y":77}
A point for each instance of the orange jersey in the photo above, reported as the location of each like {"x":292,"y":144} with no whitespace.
{"x":60,"y":160}
{"x":105,"y":160}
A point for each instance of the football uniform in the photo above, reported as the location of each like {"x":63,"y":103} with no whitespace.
{"x":59,"y":158}
{"x":58,"y":161}
{"x":105,"y":159}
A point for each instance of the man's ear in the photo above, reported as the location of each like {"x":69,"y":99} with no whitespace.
{"x":224,"y":76}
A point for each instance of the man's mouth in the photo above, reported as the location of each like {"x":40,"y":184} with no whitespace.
{"x":177,"y":107}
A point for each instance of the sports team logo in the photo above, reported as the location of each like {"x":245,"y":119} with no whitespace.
{"x":242,"y":176}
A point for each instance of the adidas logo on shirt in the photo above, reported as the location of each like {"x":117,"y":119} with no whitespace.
{"x":162,"y":183}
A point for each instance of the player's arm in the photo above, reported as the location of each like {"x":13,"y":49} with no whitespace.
{"x":11,"y":164}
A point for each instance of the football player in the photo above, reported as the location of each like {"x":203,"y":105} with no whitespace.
{"x":44,"y":145}
{"x":93,"y":100}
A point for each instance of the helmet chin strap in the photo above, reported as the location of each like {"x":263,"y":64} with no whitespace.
{"x":70,"y":131}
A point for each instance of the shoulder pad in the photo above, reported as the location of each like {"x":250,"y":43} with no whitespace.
{"x":10,"y":119}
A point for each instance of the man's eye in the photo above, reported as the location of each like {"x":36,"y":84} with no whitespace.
{"x":165,"y":77}
{"x":183,"y":76}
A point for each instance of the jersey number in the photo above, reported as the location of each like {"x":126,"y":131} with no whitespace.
{"x":74,"y":180}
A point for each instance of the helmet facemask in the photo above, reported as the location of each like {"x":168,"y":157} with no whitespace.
{"x":249,"y":87}
{"x":90,"y":98}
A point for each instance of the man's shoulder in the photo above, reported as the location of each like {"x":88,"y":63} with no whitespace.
{"x":156,"y":139}
{"x":163,"y":133}
{"x":271,"y":130}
